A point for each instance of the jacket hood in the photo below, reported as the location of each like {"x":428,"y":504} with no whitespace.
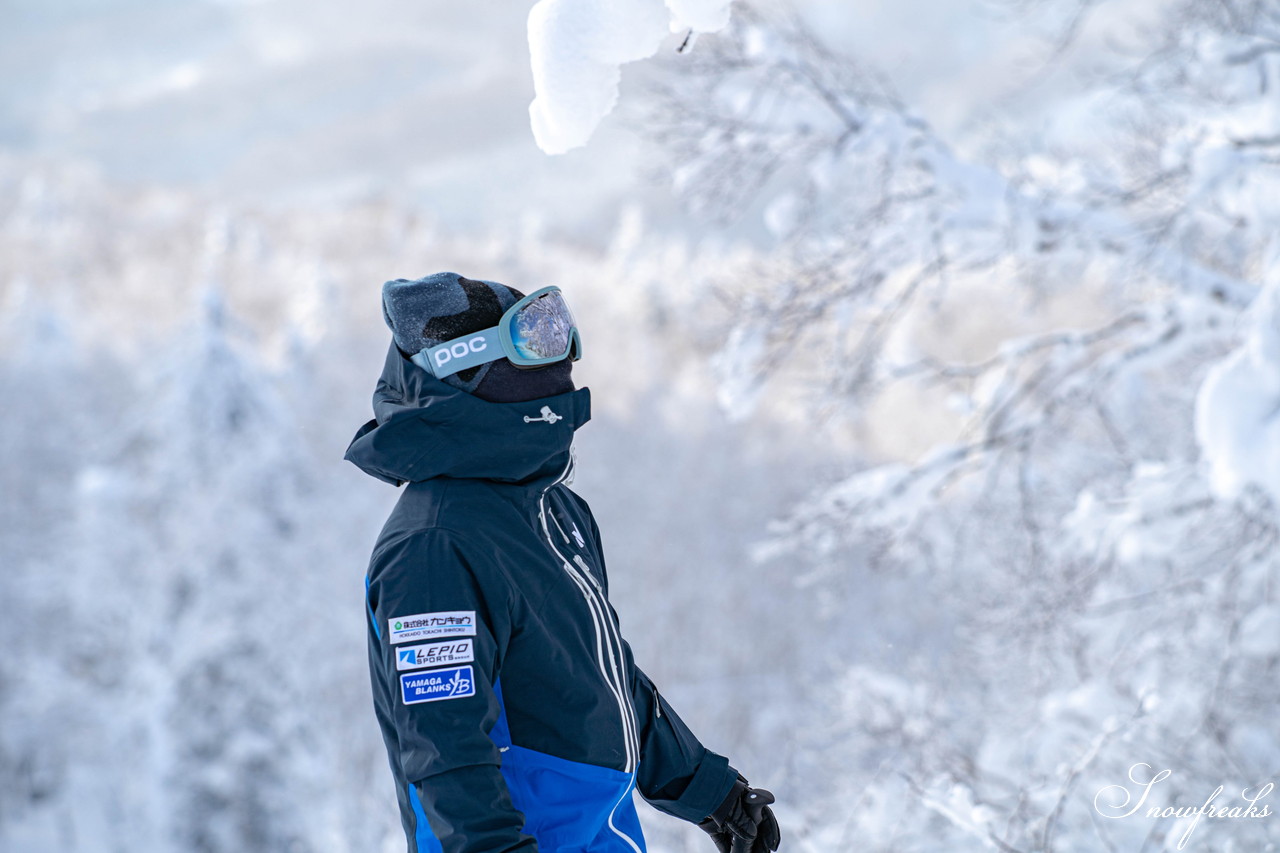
{"x":425,"y":428}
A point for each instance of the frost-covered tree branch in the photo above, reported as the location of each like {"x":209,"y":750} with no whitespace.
{"x":1060,"y":309}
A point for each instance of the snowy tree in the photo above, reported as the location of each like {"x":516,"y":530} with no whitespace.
{"x":1018,"y":333}
{"x":174,"y":633}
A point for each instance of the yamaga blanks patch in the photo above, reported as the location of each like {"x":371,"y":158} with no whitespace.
{"x":437,"y":684}
{"x":435,"y":654}
{"x":432,"y":626}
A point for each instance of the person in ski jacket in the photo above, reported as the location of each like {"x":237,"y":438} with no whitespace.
{"x":514,"y":715}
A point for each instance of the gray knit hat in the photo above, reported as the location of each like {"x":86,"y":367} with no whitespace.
{"x":440,"y":307}
{"x":428,"y":311}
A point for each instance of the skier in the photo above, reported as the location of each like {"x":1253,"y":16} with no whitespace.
{"x":514,"y":716}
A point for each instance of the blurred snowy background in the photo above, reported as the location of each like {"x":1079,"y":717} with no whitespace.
{"x":935,"y":358}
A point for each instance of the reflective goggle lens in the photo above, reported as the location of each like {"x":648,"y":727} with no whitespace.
{"x":541,"y":328}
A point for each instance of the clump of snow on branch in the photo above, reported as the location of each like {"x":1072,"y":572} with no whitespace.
{"x":1238,"y":410}
{"x":577,"y":48}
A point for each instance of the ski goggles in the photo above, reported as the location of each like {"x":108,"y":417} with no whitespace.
{"x":537,"y":330}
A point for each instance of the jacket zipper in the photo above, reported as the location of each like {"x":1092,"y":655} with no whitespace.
{"x":606,"y":631}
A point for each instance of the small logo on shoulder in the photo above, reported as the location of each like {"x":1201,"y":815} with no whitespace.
{"x":577,"y":537}
{"x":547,"y":415}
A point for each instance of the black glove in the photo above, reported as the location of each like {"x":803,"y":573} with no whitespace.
{"x":744,"y":823}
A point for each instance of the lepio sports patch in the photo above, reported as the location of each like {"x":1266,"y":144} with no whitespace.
{"x":435,"y":654}
{"x":431,"y":626}
{"x":437,"y":684}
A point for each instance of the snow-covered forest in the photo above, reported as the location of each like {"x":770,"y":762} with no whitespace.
{"x":934,"y":351}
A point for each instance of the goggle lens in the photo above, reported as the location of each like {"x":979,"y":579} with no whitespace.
{"x":541,"y":328}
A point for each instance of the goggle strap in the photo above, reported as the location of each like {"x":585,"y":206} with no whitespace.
{"x":490,"y":344}
{"x":458,"y":354}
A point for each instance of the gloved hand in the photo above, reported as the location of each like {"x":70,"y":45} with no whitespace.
{"x":744,"y":823}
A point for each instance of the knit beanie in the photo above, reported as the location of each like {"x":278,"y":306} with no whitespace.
{"x":426,"y":312}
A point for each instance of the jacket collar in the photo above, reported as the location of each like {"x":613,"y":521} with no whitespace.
{"x":425,"y":428}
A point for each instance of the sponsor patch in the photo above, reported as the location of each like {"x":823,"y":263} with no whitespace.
{"x":435,"y":654}
{"x":431,"y":626}
{"x":437,"y":684}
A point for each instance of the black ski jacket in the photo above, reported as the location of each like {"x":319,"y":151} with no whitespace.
{"x":514,"y":716}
